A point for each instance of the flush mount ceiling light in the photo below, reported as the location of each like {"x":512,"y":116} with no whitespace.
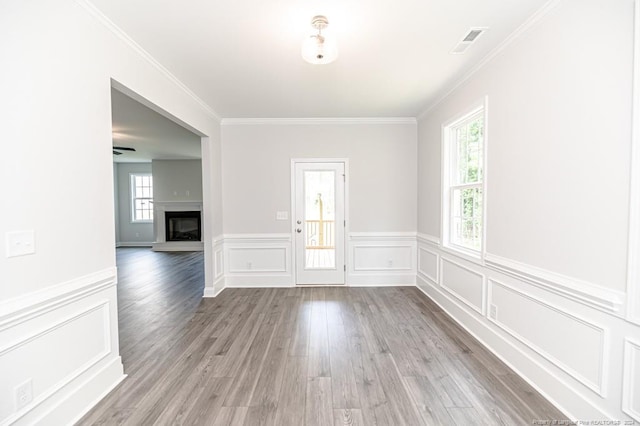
{"x":318,"y":48}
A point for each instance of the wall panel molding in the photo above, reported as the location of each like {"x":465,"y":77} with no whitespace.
{"x":631,"y":384}
{"x":601,"y":298}
{"x":462,"y":288}
{"x":257,"y":260}
{"x":428,"y":264}
{"x":81,"y":311}
{"x":544,"y":317}
{"x":18,"y":310}
{"x":381,"y":258}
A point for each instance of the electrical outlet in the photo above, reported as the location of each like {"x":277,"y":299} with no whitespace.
{"x":249,"y":265}
{"x":493,"y":312}
{"x":389,"y":263}
{"x":24,"y":394}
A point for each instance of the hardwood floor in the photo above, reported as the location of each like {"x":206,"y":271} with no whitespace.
{"x":299,"y":356}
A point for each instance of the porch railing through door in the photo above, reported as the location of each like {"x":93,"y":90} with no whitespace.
{"x":320,"y":233}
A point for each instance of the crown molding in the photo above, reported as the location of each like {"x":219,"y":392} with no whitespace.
{"x":316,"y":121}
{"x":118,"y":32}
{"x":522,"y":29}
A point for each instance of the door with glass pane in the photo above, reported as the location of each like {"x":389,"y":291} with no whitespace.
{"x":319,"y":222}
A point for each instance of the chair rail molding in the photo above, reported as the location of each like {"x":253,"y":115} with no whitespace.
{"x":601,"y":298}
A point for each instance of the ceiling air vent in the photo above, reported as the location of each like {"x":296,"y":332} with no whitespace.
{"x":471,"y":36}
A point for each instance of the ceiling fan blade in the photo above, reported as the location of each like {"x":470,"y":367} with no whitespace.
{"x":124,"y":148}
{"x":117,"y":153}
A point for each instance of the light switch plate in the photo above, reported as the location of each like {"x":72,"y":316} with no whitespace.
{"x":20,"y":243}
{"x":282,"y":215}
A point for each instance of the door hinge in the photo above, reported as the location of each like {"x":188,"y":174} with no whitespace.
{"x":344,"y":223}
{"x":344,"y":178}
{"x":345,"y":268}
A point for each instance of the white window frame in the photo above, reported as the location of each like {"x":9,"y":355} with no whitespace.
{"x":133,"y":198}
{"x":447,"y":188}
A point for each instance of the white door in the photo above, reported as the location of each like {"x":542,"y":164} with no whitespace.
{"x":319,"y":222}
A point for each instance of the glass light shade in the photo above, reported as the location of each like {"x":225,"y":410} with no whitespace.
{"x":318,"y":49}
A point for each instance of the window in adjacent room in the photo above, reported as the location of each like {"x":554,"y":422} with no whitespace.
{"x":463,"y":191}
{"x":141,"y":197}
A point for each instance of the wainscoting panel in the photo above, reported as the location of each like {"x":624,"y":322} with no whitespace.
{"x":428,"y":262}
{"x":464,"y":283}
{"x":631,"y":374}
{"x":257,"y":260}
{"x":63,"y":341}
{"x":379,"y":259}
{"x":552,"y":333}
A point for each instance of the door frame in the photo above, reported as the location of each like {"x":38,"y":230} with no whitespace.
{"x":347,"y":257}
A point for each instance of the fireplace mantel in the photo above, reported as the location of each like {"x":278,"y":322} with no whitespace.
{"x":161,"y":244}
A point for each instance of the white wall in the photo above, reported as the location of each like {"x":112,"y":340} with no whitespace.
{"x":130,"y":233}
{"x":177,"y":180}
{"x":558,"y":141}
{"x":257,"y":167}
{"x":59,"y":60}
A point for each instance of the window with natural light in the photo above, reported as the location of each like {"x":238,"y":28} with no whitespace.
{"x":464,"y":174}
{"x":141,"y":197}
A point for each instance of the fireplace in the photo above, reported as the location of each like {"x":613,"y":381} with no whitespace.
{"x":183,"y":226}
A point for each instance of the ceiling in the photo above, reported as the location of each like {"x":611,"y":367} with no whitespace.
{"x":243,"y":58}
{"x":153,"y":136}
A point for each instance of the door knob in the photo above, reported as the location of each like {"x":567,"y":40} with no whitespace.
{"x":298,"y":230}
{"x":299,"y":222}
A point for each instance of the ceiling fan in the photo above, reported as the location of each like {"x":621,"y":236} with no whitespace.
{"x":116,"y":149}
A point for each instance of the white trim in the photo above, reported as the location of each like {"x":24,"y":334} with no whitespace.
{"x":522,"y":29}
{"x":118,"y":365}
{"x":212,"y":292}
{"x":21,"y":309}
{"x":633,"y":260}
{"x":118,"y":32}
{"x":601,"y":298}
{"x":316,"y":121}
{"x":429,"y":239}
{"x":630,"y":371}
{"x":382,"y":236}
{"x":598,"y":387}
{"x":135,"y":244}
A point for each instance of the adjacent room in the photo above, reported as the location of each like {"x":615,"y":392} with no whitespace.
{"x":320,"y":213}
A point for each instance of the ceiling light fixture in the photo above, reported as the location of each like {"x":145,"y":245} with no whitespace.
{"x":317,"y":48}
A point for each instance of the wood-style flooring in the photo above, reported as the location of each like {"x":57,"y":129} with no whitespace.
{"x":299,"y":356}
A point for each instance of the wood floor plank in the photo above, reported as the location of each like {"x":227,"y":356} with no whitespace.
{"x":298,"y":356}
{"x":230,"y":416}
{"x":319,"y":365}
{"x":319,"y":411}
{"x":344,"y":389}
{"x":348,"y":417}
{"x":291,"y":401}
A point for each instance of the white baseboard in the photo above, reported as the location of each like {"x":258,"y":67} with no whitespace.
{"x":178,"y":246}
{"x":134,"y":244}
